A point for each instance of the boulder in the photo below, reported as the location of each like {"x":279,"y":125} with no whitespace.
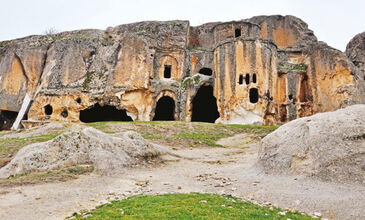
{"x":107,"y":153}
{"x":329,"y":146}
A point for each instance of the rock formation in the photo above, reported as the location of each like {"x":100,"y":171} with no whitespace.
{"x":263,"y":70}
{"x":355,"y":50}
{"x":330,"y":146}
{"x":107,"y":153}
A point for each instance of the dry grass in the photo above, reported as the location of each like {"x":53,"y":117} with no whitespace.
{"x":184,"y":134}
{"x":46,"y":176}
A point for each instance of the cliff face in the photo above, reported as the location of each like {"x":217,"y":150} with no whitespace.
{"x":263,"y":70}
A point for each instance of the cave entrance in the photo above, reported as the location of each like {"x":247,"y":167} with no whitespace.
{"x":7,"y":118}
{"x":103,"y":113}
{"x":205,"y":105}
{"x":165,"y":109}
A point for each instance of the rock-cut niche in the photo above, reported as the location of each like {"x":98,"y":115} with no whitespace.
{"x":165,"y":109}
{"x":103,"y":113}
{"x":205,"y":105}
{"x":254,"y":95}
{"x":206,"y":71}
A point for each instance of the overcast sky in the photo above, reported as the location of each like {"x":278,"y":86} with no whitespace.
{"x":332,"y":21}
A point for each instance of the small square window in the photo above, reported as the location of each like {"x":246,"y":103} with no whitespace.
{"x":167,"y":72}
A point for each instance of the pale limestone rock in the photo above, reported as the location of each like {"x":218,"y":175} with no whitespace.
{"x":329,"y":146}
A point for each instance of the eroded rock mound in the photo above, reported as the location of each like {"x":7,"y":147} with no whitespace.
{"x":355,"y":51}
{"x":330,"y":146}
{"x":107,"y":153}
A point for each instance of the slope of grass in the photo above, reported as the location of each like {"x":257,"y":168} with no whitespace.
{"x":184,"y":133}
{"x":46,"y":176}
{"x":186,"y":206}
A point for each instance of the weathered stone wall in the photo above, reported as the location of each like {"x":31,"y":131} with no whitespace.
{"x":244,"y":58}
{"x":264,"y":70}
{"x":285,"y":31}
{"x":21,"y":65}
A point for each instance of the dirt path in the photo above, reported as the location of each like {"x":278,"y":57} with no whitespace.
{"x":228,"y":170}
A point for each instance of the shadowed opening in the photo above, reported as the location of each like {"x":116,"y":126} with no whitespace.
{"x":254,"y":95}
{"x":254,"y":78}
{"x":237,"y":32}
{"x":205,"y":105}
{"x":48,"y":110}
{"x":206,"y":71}
{"x":78,"y":100}
{"x":247,"y":78}
{"x":64,"y":113}
{"x":165,"y":109}
{"x":167,"y":71}
{"x":103,"y":113}
{"x":7,"y":119}
{"x":240,"y":80}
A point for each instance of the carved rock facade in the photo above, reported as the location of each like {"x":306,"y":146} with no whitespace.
{"x":263,"y":70}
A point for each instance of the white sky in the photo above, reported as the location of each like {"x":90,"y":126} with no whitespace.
{"x":332,"y":21}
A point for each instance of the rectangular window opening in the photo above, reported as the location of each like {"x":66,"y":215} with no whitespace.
{"x":240,"y":80}
{"x":237,"y":32}
{"x":167,"y":72}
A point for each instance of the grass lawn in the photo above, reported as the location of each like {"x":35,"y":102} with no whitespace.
{"x":186,"y":206}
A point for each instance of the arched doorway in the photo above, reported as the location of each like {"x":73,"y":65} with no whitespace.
{"x":165,"y":109}
{"x":205,"y":105}
{"x":103,"y":113}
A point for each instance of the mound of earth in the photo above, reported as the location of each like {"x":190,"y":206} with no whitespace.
{"x":330,"y":146}
{"x":107,"y":153}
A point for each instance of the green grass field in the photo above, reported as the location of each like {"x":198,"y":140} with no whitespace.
{"x":186,"y":206}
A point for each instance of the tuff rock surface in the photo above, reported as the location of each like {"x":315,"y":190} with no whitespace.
{"x":107,"y":153}
{"x":355,"y":50}
{"x":329,"y":146}
{"x":263,"y":70}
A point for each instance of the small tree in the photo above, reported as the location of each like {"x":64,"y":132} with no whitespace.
{"x":51,"y":31}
